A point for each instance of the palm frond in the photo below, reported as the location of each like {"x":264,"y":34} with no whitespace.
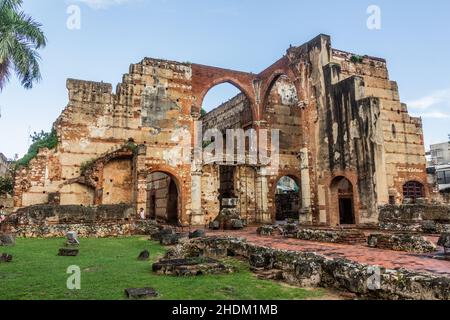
{"x":24,"y":26}
{"x":26,"y":64}
{"x":4,"y":73}
{"x":20,"y":37}
{"x":10,"y":4}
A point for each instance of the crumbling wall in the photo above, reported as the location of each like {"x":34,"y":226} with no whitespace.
{"x":338,"y":115}
{"x":404,"y":151}
{"x":151,"y":109}
{"x":56,"y":221}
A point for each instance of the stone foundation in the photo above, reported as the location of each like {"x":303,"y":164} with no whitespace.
{"x":423,"y":218}
{"x":401,"y":242}
{"x":314,"y":270}
{"x":191,"y":266}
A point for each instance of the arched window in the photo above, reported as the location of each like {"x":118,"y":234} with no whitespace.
{"x":413,"y":190}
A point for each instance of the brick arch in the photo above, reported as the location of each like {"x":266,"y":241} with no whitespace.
{"x":271,"y":75}
{"x":204,"y":78}
{"x":183,"y":191}
{"x":270,"y":82}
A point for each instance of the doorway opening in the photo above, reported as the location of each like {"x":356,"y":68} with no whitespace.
{"x":342,"y":192}
{"x":163,"y":197}
{"x":287,"y":199}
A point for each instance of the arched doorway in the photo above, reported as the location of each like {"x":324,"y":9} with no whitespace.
{"x":342,"y":193}
{"x":287,"y":199}
{"x":413,"y":190}
{"x":163,"y":197}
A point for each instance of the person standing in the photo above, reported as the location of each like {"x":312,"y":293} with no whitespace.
{"x":142,"y":214}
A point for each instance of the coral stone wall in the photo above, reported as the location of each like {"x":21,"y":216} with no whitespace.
{"x":339,"y":118}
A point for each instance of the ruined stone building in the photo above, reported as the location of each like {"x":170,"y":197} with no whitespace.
{"x":345,"y":139}
{"x":4,"y":165}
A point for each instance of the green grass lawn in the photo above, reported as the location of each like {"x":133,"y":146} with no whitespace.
{"x":108,"y":266}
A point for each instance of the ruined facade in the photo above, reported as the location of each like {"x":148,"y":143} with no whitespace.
{"x":344,"y":138}
{"x":4,"y":165}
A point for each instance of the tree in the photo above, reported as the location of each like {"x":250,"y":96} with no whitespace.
{"x":20,"y":38}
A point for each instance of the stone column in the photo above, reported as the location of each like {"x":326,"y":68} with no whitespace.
{"x":262,"y":191}
{"x":305,"y":187}
{"x":197,"y":217}
{"x":140,"y":176}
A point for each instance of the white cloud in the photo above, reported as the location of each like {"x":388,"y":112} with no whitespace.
{"x":103,"y":4}
{"x":434,"y":99}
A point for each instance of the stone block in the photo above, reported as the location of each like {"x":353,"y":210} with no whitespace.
{"x":401,"y":242}
{"x":4,"y":257}
{"x":68,"y":252}
{"x":144,"y":255}
{"x":7,"y":239}
{"x":197,"y":234}
{"x":141,"y":293}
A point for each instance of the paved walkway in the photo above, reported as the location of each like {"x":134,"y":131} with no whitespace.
{"x":358,"y":253}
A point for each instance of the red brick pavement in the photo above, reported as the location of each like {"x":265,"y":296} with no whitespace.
{"x":357,"y":253}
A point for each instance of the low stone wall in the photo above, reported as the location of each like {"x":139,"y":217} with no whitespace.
{"x":401,"y":242}
{"x":46,"y":221}
{"x":86,"y":230}
{"x":103,"y":230}
{"x":308,"y":269}
{"x":423,"y":218}
{"x":343,"y":236}
{"x":71,"y":214}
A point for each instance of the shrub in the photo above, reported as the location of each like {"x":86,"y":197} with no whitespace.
{"x":357,"y":59}
{"x":40,"y":140}
{"x":6,"y":185}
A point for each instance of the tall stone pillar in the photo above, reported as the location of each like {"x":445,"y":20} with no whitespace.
{"x":197,"y":218}
{"x":262,"y":191}
{"x":141,"y":182}
{"x":305,"y":187}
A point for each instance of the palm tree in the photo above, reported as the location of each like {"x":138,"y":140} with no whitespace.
{"x":20,"y":37}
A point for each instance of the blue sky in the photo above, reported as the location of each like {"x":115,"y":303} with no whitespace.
{"x":246,"y":35}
